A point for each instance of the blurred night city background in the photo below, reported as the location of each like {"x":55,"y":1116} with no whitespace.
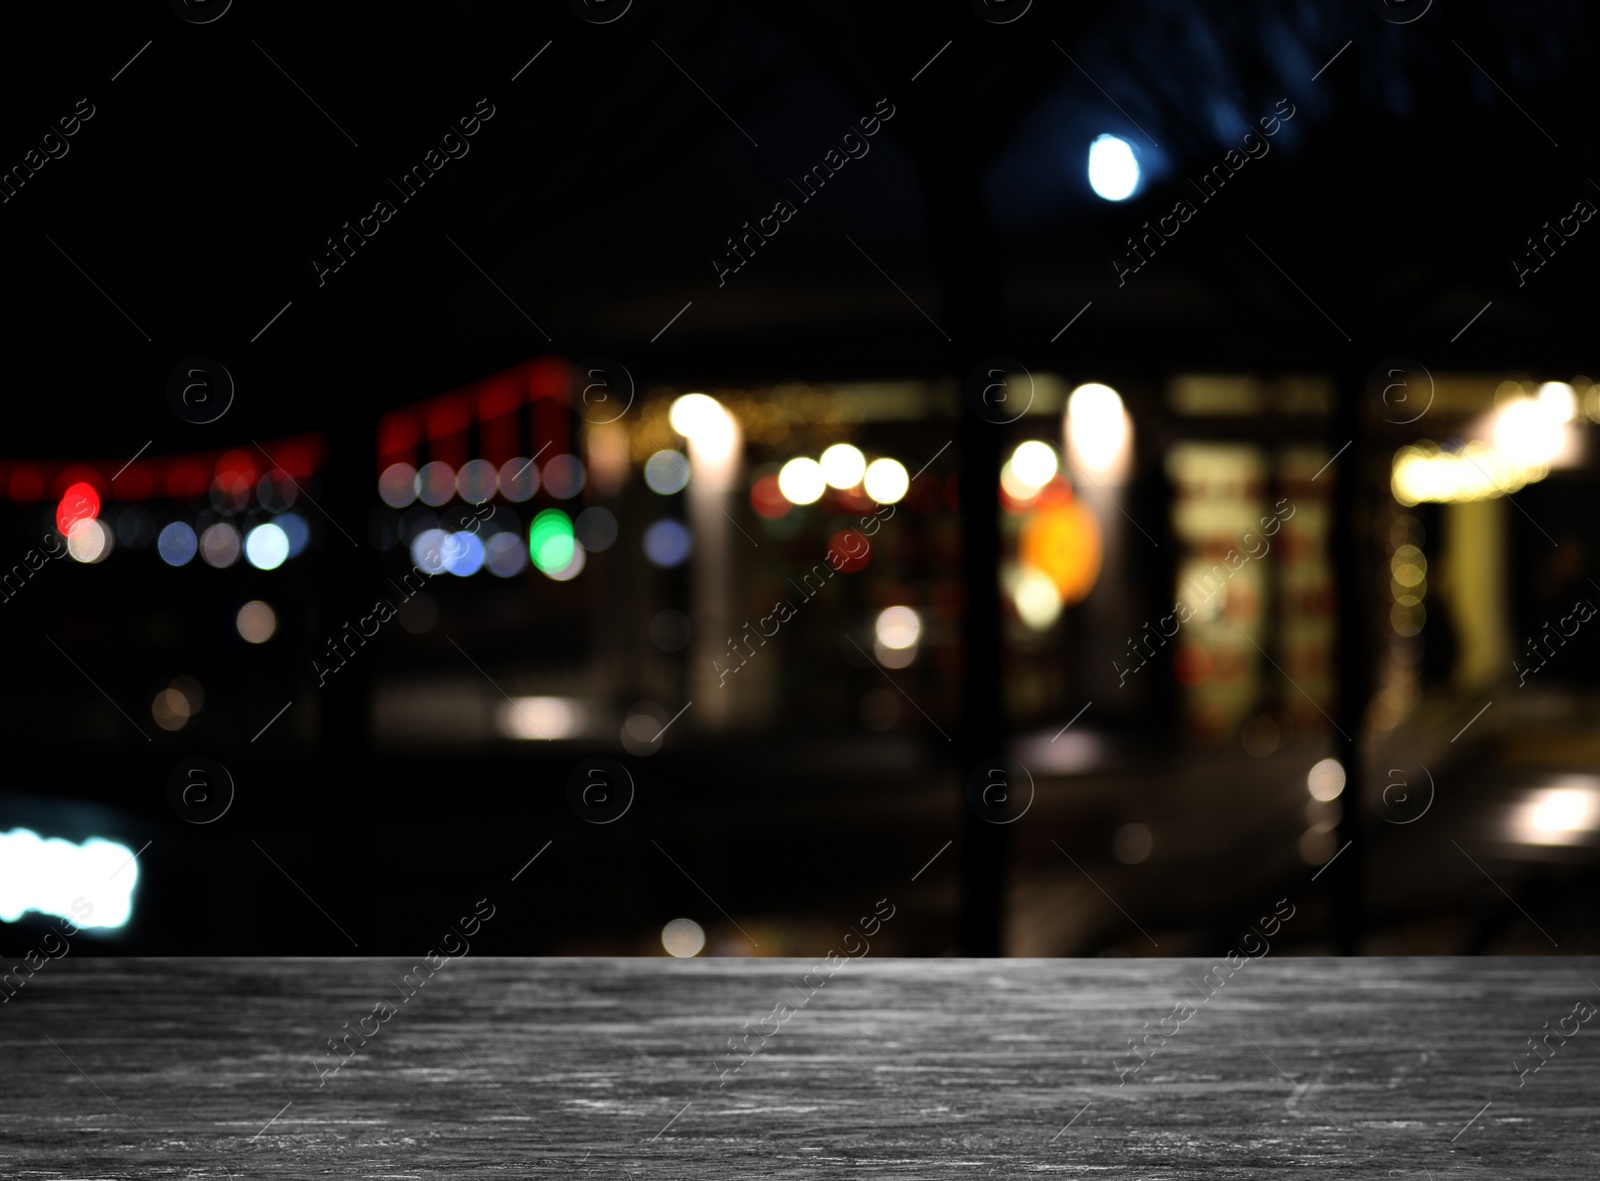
{"x":1082,"y":475}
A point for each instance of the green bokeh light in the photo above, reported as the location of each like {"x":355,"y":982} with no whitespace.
{"x":550,"y":541}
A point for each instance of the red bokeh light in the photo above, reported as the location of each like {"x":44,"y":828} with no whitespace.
{"x":767,"y":499}
{"x":239,"y":464}
{"x":853,"y":550}
{"x":80,"y":502}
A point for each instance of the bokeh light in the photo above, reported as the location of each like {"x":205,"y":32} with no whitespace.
{"x":174,"y":705}
{"x":1558,"y":400}
{"x":1063,"y":541}
{"x":667,"y":543}
{"x":463,"y":554}
{"x":694,"y":414}
{"x":898,"y":627}
{"x":710,"y":429}
{"x":666,"y":472}
{"x":843,"y":466}
{"x":176,"y":544}
{"x":91,"y":884}
{"x":79,"y":502}
{"x":1097,"y":425}
{"x":219,"y":545}
{"x":1113,"y":168}
{"x":767,"y":498}
{"x":1037,"y":600}
{"x":266,"y":546}
{"x":1019,"y":493}
{"x":1034,"y":463}
{"x":397,"y":486}
{"x":1528,"y":433}
{"x":427,"y":551}
{"x":564,"y":477}
{"x":477,"y":481}
{"x":88,"y":540}
{"x":683,"y":938}
{"x":1562,"y":815}
{"x":505,"y":555}
{"x":885,"y":480}
{"x":256,"y":622}
{"x":519,"y":479}
{"x":1325,"y":780}
{"x":436,"y":483}
{"x":551,"y":541}
{"x":574,"y":566}
{"x":296,"y":530}
{"x":801,"y":481}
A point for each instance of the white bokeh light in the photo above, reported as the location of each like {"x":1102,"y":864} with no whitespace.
{"x":1097,"y":426}
{"x":843,"y":466}
{"x":683,"y":938}
{"x":88,"y":540}
{"x":801,"y":481}
{"x":1113,"y":168}
{"x":886,"y":481}
{"x":898,"y":628}
{"x":1325,"y":780}
{"x":1529,"y":431}
{"x":1568,"y":814}
{"x":1037,"y":600}
{"x":91,"y":884}
{"x":709,"y":428}
{"x":266,"y":546}
{"x":1034,"y":463}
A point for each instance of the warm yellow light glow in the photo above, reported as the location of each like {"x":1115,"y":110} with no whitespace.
{"x":692,"y":413}
{"x":898,"y":627}
{"x":534,"y":718}
{"x":1528,"y":432}
{"x":1097,"y":426}
{"x":1408,"y":567}
{"x":710,"y":428}
{"x":683,"y":938}
{"x":843,"y":466}
{"x":256,"y":622}
{"x":1559,"y":400}
{"x":1558,"y":815}
{"x":886,"y":481}
{"x":1422,"y":472}
{"x":801,"y":481}
{"x":1037,"y":599}
{"x":1325,"y":780}
{"x":1015,"y":487}
{"x":1034,"y":463}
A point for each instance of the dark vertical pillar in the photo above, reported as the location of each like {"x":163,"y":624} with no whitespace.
{"x":355,"y":362}
{"x":1353,"y":644}
{"x":965,"y":254}
{"x":981,"y":733}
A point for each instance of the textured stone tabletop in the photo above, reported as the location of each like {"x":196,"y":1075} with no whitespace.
{"x":752,"y":1068}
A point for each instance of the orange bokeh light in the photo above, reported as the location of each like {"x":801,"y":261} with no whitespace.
{"x":1063,"y":542}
